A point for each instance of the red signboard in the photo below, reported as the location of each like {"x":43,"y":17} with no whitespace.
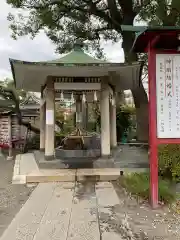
{"x":164,"y":107}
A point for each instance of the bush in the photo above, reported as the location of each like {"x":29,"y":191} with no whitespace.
{"x":169,"y":161}
{"x":138,"y":184}
{"x":123,"y":120}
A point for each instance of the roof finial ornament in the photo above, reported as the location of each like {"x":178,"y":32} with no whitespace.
{"x":78,"y":45}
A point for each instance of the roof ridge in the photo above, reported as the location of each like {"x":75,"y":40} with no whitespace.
{"x":32,"y":96}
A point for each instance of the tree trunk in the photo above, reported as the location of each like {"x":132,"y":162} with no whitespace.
{"x":142,"y":119}
{"x":139,"y":93}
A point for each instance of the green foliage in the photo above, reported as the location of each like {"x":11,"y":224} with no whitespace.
{"x":9,"y":85}
{"x":65,"y":21}
{"x":169,"y":161}
{"x":161,"y":12}
{"x":123,"y":120}
{"x":91,"y":126}
{"x":138,"y":184}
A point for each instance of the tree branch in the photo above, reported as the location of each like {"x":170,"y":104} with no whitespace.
{"x":103,"y":15}
{"x":126,"y":6}
{"x":114,"y":13}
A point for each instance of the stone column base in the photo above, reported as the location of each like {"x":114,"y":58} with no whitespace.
{"x":114,"y":147}
{"x":106,"y":156}
{"x":49,"y":158}
{"x":42,"y":149}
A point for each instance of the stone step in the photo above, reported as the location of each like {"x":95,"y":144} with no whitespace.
{"x":98,"y":174}
{"x":52,"y":175}
{"x":69,"y":175}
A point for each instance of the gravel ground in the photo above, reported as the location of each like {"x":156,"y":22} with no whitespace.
{"x":162,"y":223}
{"x":12,"y":197}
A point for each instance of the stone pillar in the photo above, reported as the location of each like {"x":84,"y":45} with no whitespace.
{"x":42,"y":123}
{"x":50,"y":121}
{"x":10,"y":153}
{"x":113,"y":131}
{"x":78,"y":112}
{"x":105,"y":126}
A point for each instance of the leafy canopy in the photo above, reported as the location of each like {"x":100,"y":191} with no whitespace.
{"x":90,"y":20}
{"x":64,"y":21}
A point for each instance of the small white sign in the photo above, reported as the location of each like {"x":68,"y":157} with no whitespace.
{"x":168,"y":95}
{"x":49,"y":117}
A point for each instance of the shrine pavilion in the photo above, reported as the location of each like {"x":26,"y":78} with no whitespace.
{"x":80,"y":77}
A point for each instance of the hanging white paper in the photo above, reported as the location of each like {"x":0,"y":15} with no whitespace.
{"x":49,"y":117}
{"x":168,"y":95}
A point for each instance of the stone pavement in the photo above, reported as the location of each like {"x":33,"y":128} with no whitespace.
{"x":125,"y":158}
{"x":12,"y":197}
{"x":89,"y":211}
{"x":67,"y":211}
{"x":129,"y":157}
{"x":26,"y":170}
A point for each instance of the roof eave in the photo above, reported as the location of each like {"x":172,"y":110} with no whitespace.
{"x":144,"y":30}
{"x":12,"y":69}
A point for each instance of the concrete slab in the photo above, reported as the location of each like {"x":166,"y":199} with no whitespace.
{"x":127,"y":171}
{"x":17,"y":165}
{"x":26,"y":222}
{"x":109,"y":225}
{"x":55,"y":222}
{"x":106,"y":197}
{"x":68,"y":211}
{"x":28,"y":164}
{"x":26,"y":170}
{"x":19,"y":179}
{"x":99,"y":174}
{"x":103,"y":185}
{"x":1,"y":154}
{"x":111,"y":236}
{"x":59,"y":175}
{"x":112,"y":226}
{"x":84,"y":219}
{"x":84,"y":195}
{"x":24,"y":164}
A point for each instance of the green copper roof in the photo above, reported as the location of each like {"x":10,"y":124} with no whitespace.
{"x":77,"y":56}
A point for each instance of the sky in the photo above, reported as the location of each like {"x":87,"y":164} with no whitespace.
{"x":38,"y":49}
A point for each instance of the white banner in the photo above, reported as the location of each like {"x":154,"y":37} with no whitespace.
{"x":168,"y":95}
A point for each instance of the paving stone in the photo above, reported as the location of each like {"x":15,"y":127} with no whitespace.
{"x":126,"y":156}
{"x":84,"y":218}
{"x":98,"y":174}
{"x":28,"y":164}
{"x":111,"y":236}
{"x":106,"y":197}
{"x":26,"y":222}
{"x":55,"y":222}
{"x":84,"y":196}
{"x":45,"y":175}
{"x":103,"y":185}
